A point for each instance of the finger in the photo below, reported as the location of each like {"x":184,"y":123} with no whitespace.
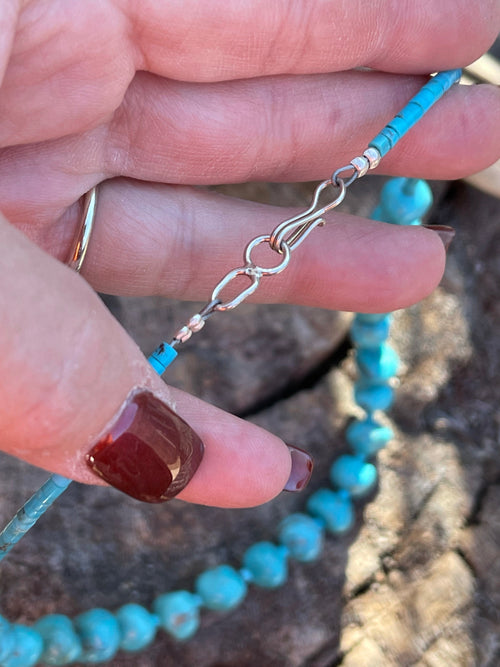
{"x":239,"y":40}
{"x":180,"y":242}
{"x":213,"y":42}
{"x":280,"y":129}
{"x":90,"y":56}
{"x":8,"y":18}
{"x":68,"y":370}
{"x":293,"y":128}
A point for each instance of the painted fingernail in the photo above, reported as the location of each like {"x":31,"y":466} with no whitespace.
{"x":302,"y":467}
{"x":149,"y":452}
{"x":445,"y":233}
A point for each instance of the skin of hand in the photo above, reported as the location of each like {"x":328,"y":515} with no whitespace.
{"x":148,"y":99}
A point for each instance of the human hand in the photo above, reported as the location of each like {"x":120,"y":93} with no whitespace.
{"x":148,"y":98}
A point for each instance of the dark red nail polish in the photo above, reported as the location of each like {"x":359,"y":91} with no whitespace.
{"x":302,"y":467}
{"x":149,"y":452}
{"x":445,"y":233}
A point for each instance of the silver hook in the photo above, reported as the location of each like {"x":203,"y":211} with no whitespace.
{"x":293,"y":231}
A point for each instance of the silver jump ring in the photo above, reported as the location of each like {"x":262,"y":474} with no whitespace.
{"x":82,"y":238}
{"x":263,"y":271}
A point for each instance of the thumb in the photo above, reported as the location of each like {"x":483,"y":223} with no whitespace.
{"x":79,"y":398}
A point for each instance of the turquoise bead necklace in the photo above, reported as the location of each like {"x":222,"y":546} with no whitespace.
{"x":96,"y":635}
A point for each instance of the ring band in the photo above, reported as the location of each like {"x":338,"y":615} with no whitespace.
{"x":81,"y":242}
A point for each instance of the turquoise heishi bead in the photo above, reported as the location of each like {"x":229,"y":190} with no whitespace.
{"x":6,"y":638}
{"x":353,"y":474}
{"x":370,"y":334}
{"x":162,"y":357}
{"x":267,"y":563}
{"x":373,"y":396}
{"x":179,"y":613}
{"x":378,"y":363}
{"x":28,"y":647}
{"x":367,"y":437}
{"x":137,"y":627}
{"x":221,"y":589}
{"x":302,"y":536}
{"x":335,"y":508}
{"x":99,"y":633}
{"x":61,"y":643}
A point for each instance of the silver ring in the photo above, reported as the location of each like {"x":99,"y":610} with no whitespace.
{"x":81,"y":242}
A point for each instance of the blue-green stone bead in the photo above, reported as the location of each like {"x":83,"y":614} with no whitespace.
{"x":302,"y":536}
{"x":403,"y":200}
{"x":221,"y":589}
{"x":370,"y":334}
{"x":378,"y":363}
{"x":267,"y":563}
{"x":179,"y":613}
{"x":353,"y":474}
{"x":61,"y":643}
{"x":370,"y":318}
{"x":372,"y":395}
{"x":137,"y":627}
{"x":28,"y":647}
{"x":6,"y":638}
{"x":367,"y":437}
{"x":99,"y":633}
{"x":335,"y":508}
{"x":380,"y":215}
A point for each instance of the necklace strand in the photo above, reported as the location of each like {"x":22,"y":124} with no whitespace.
{"x":95,"y":636}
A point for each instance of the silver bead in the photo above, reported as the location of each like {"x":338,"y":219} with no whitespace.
{"x":183,"y":334}
{"x":373,"y":157}
{"x":361,"y":164}
{"x":196,"y":323}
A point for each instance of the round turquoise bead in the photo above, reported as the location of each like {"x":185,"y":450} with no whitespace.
{"x":61,"y":643}
{"x":267,"y":564}
{"x":370,"y":318}
{"x":403,"y":200}
{"x":367,"y":437}
{"x":179,"y":613}
{"x":137,"y":627}
{"x":373,"y":396}
{"x":222,"y":588}
{"x":27,"y":649}
{"x":370,"y":334}
{"x":6,"y":638}
{"x":353,"y":474}
{"x":334,"y":507}
{"x":377,"y":363}
{"x":302,"y":536}
{"x":99,"y":633}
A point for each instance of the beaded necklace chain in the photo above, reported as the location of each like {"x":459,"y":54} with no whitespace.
{"x":96,"y":635}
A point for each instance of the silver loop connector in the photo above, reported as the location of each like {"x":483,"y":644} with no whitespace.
{"x":244,"y":294}
{"x":252,"y":271}
{"x":338,"y":179}
{"x":285,"y":251}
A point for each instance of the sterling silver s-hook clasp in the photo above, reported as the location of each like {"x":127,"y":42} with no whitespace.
{"x":283,"y":239}
{"x":293,"y":231}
